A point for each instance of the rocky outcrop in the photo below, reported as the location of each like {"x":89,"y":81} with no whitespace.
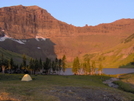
{"x":24,"y":22}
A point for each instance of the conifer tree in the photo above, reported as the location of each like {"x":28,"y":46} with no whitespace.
{"x":59,"y":64}
{"x":53,"y":66}
{"x":31,"y":65}
{"x":76,"y":66}
{"x":47,"y":65}
{"x":86,"y":65}
{"x":64,"y":63}
{"x":40,"y":65}
{"x":10,"y":64}
{"x":56,"y":64}
{"x":36,"y":64}
{"x":24,"y":64}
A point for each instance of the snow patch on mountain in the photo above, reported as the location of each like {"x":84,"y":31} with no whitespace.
{"x":38,"y":48}
{"x":40,"y":37}
{"x":23,"y":41}
{"x":19,"y":41}
{"x":16,"y":40}
{"x":4,"y":38}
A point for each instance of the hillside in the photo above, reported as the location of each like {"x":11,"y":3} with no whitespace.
{"x":28,"y":22}
{"x":119,"y":55}
{"x":38,"y":47}
{"x":8,"y":55}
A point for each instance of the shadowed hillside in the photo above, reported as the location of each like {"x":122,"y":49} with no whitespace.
{"x":8,"y":55}
{"x":36,"y":48}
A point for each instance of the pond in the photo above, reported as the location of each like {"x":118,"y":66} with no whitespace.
{"x":105,"y":71}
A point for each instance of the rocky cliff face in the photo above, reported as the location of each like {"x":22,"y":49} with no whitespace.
{"x":27,"y":22}
{"x":24,"y":22}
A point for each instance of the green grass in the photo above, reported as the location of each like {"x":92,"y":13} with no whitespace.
{"x":126,"y":82}
{"x":125,"y":86}
{"x":129,"y":65}
{"x":9,"y":54}
{"x":128,"y":78}
{"x":118,"y":56}
{"x":54,"y":87}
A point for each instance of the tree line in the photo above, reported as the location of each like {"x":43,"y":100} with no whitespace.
{"x":33,"y":66}
{"x":49,"y":66}
{"x":86,"y":67}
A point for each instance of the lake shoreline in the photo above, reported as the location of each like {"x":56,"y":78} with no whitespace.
{"x":107,"y":71}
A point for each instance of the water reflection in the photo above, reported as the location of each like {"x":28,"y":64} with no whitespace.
{"x":117,"y":70}
{"x":105,"y":71}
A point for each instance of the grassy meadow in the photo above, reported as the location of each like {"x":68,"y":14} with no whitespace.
{"x":59,"y":88}
{"x":9,"y":54}
{"x":126,"y":82}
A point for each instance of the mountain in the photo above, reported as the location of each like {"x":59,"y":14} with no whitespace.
{"x":28,"y":22}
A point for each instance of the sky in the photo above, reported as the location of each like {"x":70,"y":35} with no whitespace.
{"x":81,"y":12}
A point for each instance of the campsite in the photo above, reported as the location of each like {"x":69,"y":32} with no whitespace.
{"x":59,"y":88}
{"x":26,"y":77}
{"x":66,"y":50}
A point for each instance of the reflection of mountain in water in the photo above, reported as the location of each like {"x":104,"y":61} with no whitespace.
{"x":36,"y":48}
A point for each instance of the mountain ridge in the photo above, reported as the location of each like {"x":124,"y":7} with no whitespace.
{"x":34,"y":13}
{"x":25,"y":22}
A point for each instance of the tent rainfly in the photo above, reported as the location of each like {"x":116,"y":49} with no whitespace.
{"x":26,"y":77}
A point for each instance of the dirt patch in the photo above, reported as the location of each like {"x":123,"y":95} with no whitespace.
{"x":85,"y":94}
{"x":5,"y":97}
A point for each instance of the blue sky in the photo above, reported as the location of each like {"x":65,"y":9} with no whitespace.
{"x":81,"y":12}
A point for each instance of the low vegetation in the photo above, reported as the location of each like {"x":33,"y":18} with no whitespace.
{"x":121,"y":55}
{"x":9,"y":54}
{"x":59,"y":88}
{"x":125,"y":86}
{"x":126,"y":82}
{"x":128,"y":78}
{"x":129,"y":65}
